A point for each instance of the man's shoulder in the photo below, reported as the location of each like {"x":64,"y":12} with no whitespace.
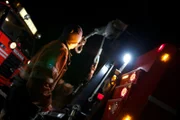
{"x":56,"y":44}
{"x":63,"y":47}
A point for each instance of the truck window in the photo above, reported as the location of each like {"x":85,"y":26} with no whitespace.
{"x":18,"y":32}
{"x":2,"y":9}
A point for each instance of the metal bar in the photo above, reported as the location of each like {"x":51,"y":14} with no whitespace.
{"x":3,"y":94}
{"x":162,"y":105}
{"x":122,"y":67}
{"x":102,"y":81}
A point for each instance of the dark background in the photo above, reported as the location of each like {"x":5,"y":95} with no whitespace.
{"x":150,"y":23}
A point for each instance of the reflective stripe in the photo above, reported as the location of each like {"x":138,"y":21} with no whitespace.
{"x":3,"y":52}
{"x":2,"y":55}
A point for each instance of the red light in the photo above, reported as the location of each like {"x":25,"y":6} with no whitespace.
{"x":161,"y":47}
{"x":100,"y":96}
{"x":124,"y":91}
{"x":133,"y":77}
{"x":19,"y":44}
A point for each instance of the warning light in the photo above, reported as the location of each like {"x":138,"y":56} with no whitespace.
{"x":109,"y":108}
{"x":114,"y":77}
{"x":7,"y":2}
{"x":7,"y":19}
{"x":124,"y":91}
{"x":29,"y":61}
{"x":161,"y":47}
{"x":127,"y":117}
{"x":13,"y":45}
{"x":125,"y":76}
{"x":18,"y":4}
{"x":127,"y":58}
{"x":112,"y":83}
{"x":133,"y":77}
{"x":165,"y":57}
{"x":100,"y":96}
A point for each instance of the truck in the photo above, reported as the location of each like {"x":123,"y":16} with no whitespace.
{"x":148,"y":91}
{"x":17,"y":39}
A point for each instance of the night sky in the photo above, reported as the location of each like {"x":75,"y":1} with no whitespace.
{"x":150,"y":23}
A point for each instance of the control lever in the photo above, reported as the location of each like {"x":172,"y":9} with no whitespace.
{"x":63,"y":114}
{"x":56,"y":113}
{"x":77,"y":89}
{"x":53,"y":114}
{"x":75,"y":108}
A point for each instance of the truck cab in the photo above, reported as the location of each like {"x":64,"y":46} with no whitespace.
{"x":17,"y":37}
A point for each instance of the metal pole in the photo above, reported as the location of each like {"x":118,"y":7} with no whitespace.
{"x":122,"y":67}
{"x":96,"y":90}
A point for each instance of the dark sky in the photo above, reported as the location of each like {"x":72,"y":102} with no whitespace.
{"x":150,"y":23}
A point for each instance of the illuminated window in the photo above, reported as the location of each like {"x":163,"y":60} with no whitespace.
{"x":28,"y":21}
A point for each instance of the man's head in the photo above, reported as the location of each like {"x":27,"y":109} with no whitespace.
{"x":72,"y":35}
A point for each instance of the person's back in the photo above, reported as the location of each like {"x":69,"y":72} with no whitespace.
{"x":45,"y":70}
{"x":43,"y":73}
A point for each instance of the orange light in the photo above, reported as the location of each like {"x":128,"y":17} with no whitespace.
{"x":18,"y":4}
{"x":114,"y":77}
{"x":109,"y":108}
{"x":124,"y":91}
{"x":125,"y":76}
{"x":165,"y":57}
{"x":127,"y":117}
{"x":112,"y":83}
{"x":133,"y":77}
{"x":109,"y":85}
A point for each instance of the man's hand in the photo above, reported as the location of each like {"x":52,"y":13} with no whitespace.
{"x":49,"y":108}
{"x":68,"y":89}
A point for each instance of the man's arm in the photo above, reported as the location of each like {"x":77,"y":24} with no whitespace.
{"x":60,"y":64}
{"x":42,"y":83}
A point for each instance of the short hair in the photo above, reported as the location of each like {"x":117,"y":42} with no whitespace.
{"x":71,"y":29}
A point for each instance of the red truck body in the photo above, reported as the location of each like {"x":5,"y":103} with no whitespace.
{"x":16,"y":42}
{"x":150,"y":90}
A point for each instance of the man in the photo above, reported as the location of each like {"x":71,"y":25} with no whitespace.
{"x":33,"y":88}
